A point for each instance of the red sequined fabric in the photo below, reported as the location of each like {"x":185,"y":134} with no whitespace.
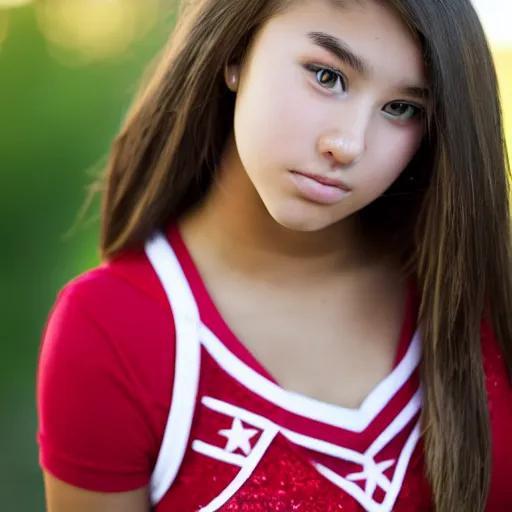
{"x":284,"y":478}
{"x":284,"y":482}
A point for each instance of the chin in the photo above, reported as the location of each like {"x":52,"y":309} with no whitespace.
{"x":303,"y":219}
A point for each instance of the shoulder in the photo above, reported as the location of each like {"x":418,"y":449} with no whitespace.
{"x":118,"y":307}
{"x":105,"y":376}
{"x":127,"y":282}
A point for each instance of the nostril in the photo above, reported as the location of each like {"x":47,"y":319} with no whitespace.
{"x":330,"y":156}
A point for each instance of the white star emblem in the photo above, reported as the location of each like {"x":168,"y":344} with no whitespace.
{"x":238,"y":437}
{"x":374,"y":475}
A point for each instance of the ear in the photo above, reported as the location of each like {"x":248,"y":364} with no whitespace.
{"x":232,"y":76}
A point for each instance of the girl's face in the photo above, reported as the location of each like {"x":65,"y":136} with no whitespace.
{"x":329,"y":109}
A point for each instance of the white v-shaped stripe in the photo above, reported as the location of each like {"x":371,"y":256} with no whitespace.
{"x":392,"y":488}
{"x":179,"y":293}
{"x":245,"y":472}
{"x":189,"y":328}
{"x":367,"y":501}
{"x":318,"y":445}
{"x":187,"y":365}
{"x":355,"y":420}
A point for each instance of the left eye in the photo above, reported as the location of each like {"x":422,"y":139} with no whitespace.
{"x":329,"y":78}
{"x":402,"y":111}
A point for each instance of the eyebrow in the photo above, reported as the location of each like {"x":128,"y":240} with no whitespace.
{"x":420,"y":93}
{"x":342,"y":51}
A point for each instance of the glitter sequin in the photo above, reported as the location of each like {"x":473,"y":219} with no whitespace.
{"x":284,"y":482}
{"x":285,"y":479}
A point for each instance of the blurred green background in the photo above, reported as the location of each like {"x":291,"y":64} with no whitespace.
{"x":68,"y":70}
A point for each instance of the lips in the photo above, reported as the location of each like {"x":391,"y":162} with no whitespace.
{"x":319,"y":189}
{"x":323,"y":180}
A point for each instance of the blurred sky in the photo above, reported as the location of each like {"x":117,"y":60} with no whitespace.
{"x":496,"y":16}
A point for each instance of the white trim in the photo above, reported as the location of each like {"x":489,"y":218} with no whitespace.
{"x":233,"y":411}
{"x":391,"y":431}
{"x":401,"y":467}
{"x":355,"y":420}
{"x":171,"y":275}
{"x":358,"y":494}
{"x":366,"y":460}
{"x":397,"y":425}
{"x":299,"y":439}
{"x":187,"y":365}
{"x":191,"y":333}
{"x":373,"y":473}
{"x":350,"y":488}
{"x":317,"y":445}
{"x":244,"y":474}
{"x":218,"y":453}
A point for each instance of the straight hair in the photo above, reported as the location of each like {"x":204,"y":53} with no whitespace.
{"x":453,"y":229}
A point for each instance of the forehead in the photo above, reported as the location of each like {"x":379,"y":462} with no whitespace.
{"x":372,"y":30}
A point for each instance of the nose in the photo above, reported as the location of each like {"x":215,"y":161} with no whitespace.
{"x":342,"y":149}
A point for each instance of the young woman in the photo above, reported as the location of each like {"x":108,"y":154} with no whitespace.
{"x":306,"y":290}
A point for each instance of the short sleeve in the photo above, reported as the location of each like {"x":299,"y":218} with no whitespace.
{"x":104,"y":384}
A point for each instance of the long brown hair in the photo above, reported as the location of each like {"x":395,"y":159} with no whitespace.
{"x":455,"y":230}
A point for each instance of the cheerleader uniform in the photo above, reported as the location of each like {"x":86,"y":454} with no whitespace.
{"x":142,"y":383}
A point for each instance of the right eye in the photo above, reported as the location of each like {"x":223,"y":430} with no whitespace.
{"x":329,"y":78}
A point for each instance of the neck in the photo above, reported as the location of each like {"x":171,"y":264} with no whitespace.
{"x":233,"y":224}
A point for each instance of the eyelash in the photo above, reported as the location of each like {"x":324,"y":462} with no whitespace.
{"x":418,"y":111}
{"x":315,"y":68}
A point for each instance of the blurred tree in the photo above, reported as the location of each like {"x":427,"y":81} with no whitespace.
{"x":57,"y":119}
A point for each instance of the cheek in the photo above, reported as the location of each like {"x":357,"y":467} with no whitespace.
{"x":392,"y":149}
{"x":271,"y":117}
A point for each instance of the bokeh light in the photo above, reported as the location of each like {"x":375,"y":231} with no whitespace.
{"x":94,"y":29}
{"x":14,"y":3}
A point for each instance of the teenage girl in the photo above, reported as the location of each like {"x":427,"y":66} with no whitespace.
{"x":305,"y":297}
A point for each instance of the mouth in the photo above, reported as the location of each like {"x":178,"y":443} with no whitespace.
{"x":323,"y":180}
{"x":319,"y":189}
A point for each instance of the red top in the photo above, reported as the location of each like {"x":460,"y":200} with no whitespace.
{"x":105,"y":386}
